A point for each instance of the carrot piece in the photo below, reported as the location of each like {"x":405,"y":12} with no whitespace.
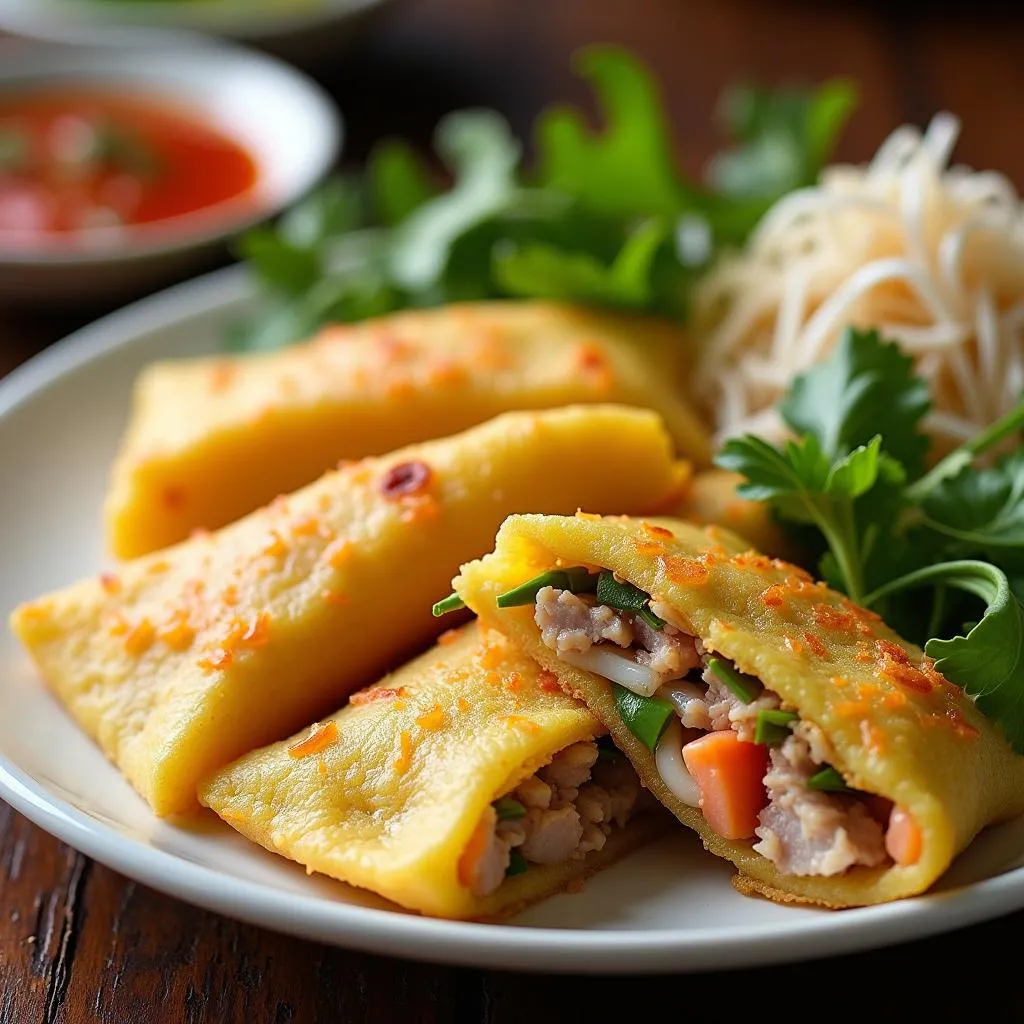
{"x":479,"y":841}
{"x":730,"y":775}
{"x":903,"y":839}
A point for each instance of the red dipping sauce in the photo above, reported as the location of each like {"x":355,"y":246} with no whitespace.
{"x":75,"y":161}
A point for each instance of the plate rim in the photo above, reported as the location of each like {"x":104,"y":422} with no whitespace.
{"x":385,"y":932}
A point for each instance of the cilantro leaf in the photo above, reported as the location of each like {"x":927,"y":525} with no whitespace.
{"x":805,"y":486}
{"x":865,"y":387}
{"x":628,"y":168}
{"x":478,"y":147}
{"x":398,"y":181}
{"x":981,"y":508}
{"x":543,"y":271}
{"x":784,"y":137}
{"x":988,"y":663}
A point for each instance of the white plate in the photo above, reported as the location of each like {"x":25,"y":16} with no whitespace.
{"x":667,"y":908}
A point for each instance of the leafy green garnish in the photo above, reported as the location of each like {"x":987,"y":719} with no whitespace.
{"x":865,"y":389}
{"x":605,"y":217}
{"x":747,"y":688}
{"x":855,"y":474}
{"x":576,"y":580}
{"x":626,"y":597}
{"x":989,"y":661}
{"x":508,"y":809}
{"x":828,"y":780}
{"x":772,"y":726}
{"x":398,"y":181}
{"x":452,"y":603}
{"x":783,"y":137}
{"x":645,"y":717}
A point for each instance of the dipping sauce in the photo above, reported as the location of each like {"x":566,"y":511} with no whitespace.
{"x":74,"y":161}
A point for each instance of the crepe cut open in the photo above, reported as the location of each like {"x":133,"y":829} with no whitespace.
{"x":464,"y":785}
{"x":869,"y":772}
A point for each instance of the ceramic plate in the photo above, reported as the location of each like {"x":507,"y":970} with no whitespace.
{"x":667,"y":908}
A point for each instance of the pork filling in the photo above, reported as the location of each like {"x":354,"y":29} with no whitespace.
{"x":726,"y":744}
{"x":564,"y":811}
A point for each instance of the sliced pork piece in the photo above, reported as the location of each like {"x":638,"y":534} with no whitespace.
{"x":571,"y":804}
{"x":667,"y":651}
{"x":569,"y":622}
{"x":806,"y":832}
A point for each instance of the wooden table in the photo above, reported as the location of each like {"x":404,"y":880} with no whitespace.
{"x":81,"y":943}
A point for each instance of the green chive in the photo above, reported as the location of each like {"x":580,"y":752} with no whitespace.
{"x":606,"y":749}
{"x":745,"y":687}
{"x":576,"y":581}
{"x":645,"y":717}
{"x":627,"y":598}
{"x":508,"y":809}
{"x":828,"y":780}
{"x":516,"y":864}
{"x":772,"y":727}
{"x":452,"y":603}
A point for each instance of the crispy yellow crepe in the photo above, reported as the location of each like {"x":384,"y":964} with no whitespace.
{"x":212,"y":439}
{"x":188,"y":658}
{"x":897,"y":727}
{"x":387,"y":793}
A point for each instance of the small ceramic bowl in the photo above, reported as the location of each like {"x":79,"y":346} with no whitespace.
{"x":293,"y":28}
{"x":287,"y":124}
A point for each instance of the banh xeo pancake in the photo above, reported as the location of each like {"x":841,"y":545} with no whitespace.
{"x":188,"y":658}
{"x":211,"y":439}
{"x":798,"y":734}
{"x":464,"y":785}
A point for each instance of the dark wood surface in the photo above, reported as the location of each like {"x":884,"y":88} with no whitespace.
{"x":80,"y":943}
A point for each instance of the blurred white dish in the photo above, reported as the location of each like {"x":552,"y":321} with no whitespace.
{"x":288,"y":24}
{"x":286,"y":123}
{"x":669,"y":907}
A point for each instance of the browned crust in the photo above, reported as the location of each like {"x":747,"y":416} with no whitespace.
{"x":747,"y":886}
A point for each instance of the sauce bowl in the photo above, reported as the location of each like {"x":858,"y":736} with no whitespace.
{"x":285,"y":122}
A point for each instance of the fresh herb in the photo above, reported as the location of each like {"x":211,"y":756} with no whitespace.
{"x":576,"y":581}
{"x":508,"y":809}
{"x":603,"y":217}
{"x":517,"y":864}
{"x":626,"y":597}
{"x":828,"y":780}
{"x":772,"y":726}
{"x":783,"y":137}
{"x":452,"y":603}
{"x":855,"y":475}
{"x":645,"y":717}
{"x":989,"y":661}
{"x":747,"y":688}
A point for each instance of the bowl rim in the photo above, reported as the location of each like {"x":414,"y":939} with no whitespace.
{"x":197,"y":229}
{"x":94,"y":20}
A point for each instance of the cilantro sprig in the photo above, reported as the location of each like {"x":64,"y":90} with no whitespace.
{"x":602,"y":217}
{"x":853,"y":482}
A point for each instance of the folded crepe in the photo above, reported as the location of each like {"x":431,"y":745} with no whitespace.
{"x":464,"y":785}
{"x":186,"y":659}
{"x":798,"y":734}
{"x":211,"y":439}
